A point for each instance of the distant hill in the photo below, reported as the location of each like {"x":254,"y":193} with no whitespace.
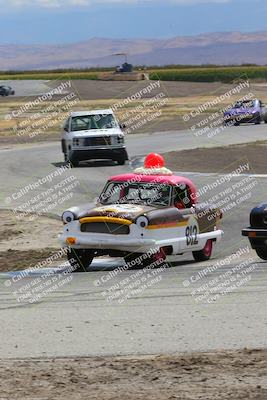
{"x":215,"y":48}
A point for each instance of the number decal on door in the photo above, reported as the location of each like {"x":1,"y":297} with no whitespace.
{"x":191,"y":235}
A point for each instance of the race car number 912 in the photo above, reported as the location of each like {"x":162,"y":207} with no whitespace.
{"x":191,"y":235}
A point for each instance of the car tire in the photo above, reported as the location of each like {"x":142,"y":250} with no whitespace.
{"x":205,"y":254}
{"x":158,"y":260}
{"x":121,"y":162}
{"x":265,"y":121}
{"x":74,"y":163}
{"x":80,"y":259}
{"x":132,"y":260}
{"x":258,"y":121}
{"x":262,"y":253}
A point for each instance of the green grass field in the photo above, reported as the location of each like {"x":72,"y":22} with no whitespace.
{"x":210,"y":74}
{"x":47,"y":75}
{"x":168,"y":73}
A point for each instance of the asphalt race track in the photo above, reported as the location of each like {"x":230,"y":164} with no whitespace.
{"x":25,"y":88}
{"x":87,"y":316}
{"x":79,"y":321}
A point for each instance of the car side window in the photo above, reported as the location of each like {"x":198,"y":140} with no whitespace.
{"x":181,"y":196}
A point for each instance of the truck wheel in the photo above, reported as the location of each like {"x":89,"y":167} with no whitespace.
{"x":262,"y":253}
{"x":80,"y":259}
{"x":74,"y":163}
{"x":205,"y":254}
{"x":121,"y":162}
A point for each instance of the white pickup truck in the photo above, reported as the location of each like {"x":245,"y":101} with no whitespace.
{"x":93,"y":135}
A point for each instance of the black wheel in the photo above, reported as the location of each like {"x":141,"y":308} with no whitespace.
{"x":205,"y":254}
{"x":66,"y":158}
{"x":258,"y":121}
{"x":265,"y":121}
{"x":262,"y":253}
{"x":134,"y":260}
{"x":121,"y":162}
{"x":236,"y":123}
{"x":141,"y":260}
{"x":74,"y":163}
{"x":80,"y":259}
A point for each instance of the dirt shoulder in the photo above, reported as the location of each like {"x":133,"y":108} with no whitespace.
{"x":220,"y":159}
{"x":25,"y":242}
{"x":222,"y":375}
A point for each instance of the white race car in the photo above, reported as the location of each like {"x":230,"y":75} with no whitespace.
{"x":150,"y":211}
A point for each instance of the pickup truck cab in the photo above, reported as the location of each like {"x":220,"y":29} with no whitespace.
{"x":93,"y":135}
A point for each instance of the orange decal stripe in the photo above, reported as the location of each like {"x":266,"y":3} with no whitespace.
{"x":168,"y":225}
{"x":120,"y":221}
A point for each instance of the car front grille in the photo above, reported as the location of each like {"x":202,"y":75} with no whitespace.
{"x":105,"y":227}
{"x":97,"y":141}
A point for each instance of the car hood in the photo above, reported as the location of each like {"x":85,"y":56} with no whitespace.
{"x":125,"y":211}
{"x":131,"y":212}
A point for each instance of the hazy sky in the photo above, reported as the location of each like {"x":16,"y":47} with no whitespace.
{"x":63,"y":21}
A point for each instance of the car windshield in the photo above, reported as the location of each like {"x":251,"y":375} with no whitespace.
{"x":97,"y":121}
{"x":136,"y":193}
{"x":245,"y":104}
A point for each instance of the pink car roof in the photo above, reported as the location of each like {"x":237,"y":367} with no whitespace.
{"x":168,"y":179}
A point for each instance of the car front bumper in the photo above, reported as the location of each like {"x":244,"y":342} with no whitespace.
{"x":133,"y":243}
{"x":257,"y":237}
{"x":114,"y":153}
{"x":241,"y":118}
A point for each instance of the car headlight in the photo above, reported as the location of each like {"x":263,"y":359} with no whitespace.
{"x":142,"y":222}
{"x":76,"y":142}
{"x":120,"y":139}
{"x":67,"y":217}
